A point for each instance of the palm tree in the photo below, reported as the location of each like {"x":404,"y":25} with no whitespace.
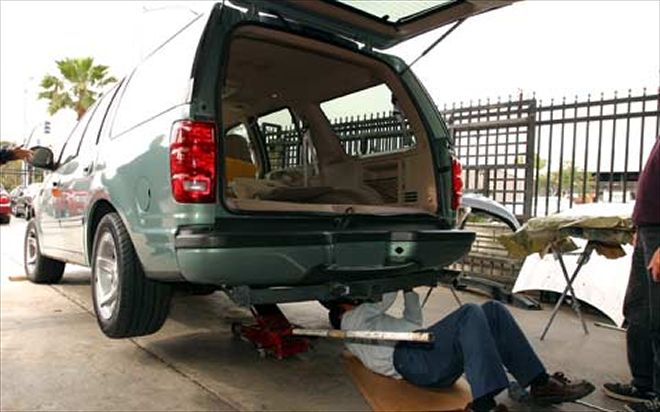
{"x":78,"y":87}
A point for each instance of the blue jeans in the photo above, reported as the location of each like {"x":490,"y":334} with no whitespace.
{"x":642,"y":311}
{"x":478,"y":340}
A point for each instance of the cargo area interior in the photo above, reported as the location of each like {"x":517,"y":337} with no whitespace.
{"x":282,"y":150}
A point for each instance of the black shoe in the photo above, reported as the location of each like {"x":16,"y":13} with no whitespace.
{"x":646,"y":406}
{"x":627,"y":392}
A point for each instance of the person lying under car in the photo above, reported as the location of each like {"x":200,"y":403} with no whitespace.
{"x":482,"y":341}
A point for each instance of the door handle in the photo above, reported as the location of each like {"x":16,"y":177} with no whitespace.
{"x":88,"y":169}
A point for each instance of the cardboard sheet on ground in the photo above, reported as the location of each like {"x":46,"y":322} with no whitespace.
{"x":602,"y":281}
{"x":387,"y":394}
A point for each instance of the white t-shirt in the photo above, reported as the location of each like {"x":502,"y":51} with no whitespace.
{"x":377,"y":355}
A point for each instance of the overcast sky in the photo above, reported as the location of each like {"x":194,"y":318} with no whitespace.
{"x":555,"y":48}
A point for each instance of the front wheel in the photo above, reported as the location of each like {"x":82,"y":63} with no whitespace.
{"x":126,"y":303}
{"x":39,"y":268}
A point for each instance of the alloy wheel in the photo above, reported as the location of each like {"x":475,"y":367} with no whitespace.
{"x":106,"y":284}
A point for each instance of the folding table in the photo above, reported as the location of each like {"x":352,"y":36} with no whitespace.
{"x":552,"y":234}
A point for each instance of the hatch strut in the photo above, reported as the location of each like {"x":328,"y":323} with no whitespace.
{"x":435,"y":43}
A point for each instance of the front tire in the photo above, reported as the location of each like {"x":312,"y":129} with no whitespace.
{"x":126,"y":303}
{"x":39,"y":268}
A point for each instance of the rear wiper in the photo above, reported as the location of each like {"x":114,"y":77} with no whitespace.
{"x":435,"y":43}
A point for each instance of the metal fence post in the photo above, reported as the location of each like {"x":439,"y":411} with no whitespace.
{"x":529,"y":159}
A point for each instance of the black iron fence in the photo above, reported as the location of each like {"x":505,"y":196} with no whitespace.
{"x":539,"y":159}
{"x":592,"y":150}
{"x":495,"y":143}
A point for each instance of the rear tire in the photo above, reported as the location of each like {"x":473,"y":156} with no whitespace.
{"x":126,"y":303}
{"x":39,"y":268}
{"x":5,"y":219}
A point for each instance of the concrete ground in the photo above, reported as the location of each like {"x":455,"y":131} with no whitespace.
{"x":54,"y":357}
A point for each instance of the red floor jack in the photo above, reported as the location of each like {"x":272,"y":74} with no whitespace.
{"x":272,"y":334}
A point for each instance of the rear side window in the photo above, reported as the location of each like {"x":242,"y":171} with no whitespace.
{"x":161,"y":82}
{"x":380,"y":126}
{"x":283,"y":141}
{"x":72,"y":144}
{"x":94,"y":126}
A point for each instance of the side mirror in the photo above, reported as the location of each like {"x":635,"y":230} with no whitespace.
{"x":42,"y":157}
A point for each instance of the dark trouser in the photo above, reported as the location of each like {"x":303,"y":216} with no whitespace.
{"x":642,"y":311}
{"x":477,"y":340}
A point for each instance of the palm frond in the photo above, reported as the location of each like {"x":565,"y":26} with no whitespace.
{"x":78,"y":85}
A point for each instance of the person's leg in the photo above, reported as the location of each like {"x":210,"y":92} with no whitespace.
{"x":463,"y":342}
{"x":513,"y":347}
{"x":637,"y":314}
{"x":641,"y":309}
{"x":523,"y":363}
{"x":483,"y":366}
{"x":649,"y":237}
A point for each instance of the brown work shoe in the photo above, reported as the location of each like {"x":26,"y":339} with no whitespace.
{"x":560,"y":389}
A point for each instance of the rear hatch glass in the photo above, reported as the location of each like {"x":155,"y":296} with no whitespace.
{"x":378,"y":23}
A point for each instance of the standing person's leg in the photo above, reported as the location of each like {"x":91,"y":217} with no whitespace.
{"x":649,"y":237}
{"x":463,"y":342}
{"x":639,"y":347}
{"x":636,"y":310}
{"x":514,"y":349}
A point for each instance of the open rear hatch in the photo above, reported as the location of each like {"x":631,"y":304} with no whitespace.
{"x":380,"y":24}
{"x":311,"y":124}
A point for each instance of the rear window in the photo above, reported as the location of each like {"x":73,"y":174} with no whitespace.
{"x":395,"y":11}
{"x":161,"y":82}
{"x":379,"y":127}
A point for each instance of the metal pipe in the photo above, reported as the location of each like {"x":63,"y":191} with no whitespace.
{"x":606,"y":326}
{"x":366,"y":334}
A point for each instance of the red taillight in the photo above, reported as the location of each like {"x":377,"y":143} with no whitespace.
{"x":456,"y":183}
{"x":4,"y":199}
{"x":192,"y":162}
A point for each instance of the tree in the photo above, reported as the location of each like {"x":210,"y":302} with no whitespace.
{"x":78,"y":86}
{"x":567,"y":169}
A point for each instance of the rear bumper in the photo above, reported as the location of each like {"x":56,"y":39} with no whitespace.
{"x":285,"y":259}
{"x":5,"y":209}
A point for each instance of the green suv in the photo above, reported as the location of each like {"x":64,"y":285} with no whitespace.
{"x":219,"y":162}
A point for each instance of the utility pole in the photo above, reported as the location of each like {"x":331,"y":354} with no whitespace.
{"x":26,"y":83}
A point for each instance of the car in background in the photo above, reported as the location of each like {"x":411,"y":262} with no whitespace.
{"x":472,"y":203}
{"x":21,"y":201}
{"x":5,"y":208}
